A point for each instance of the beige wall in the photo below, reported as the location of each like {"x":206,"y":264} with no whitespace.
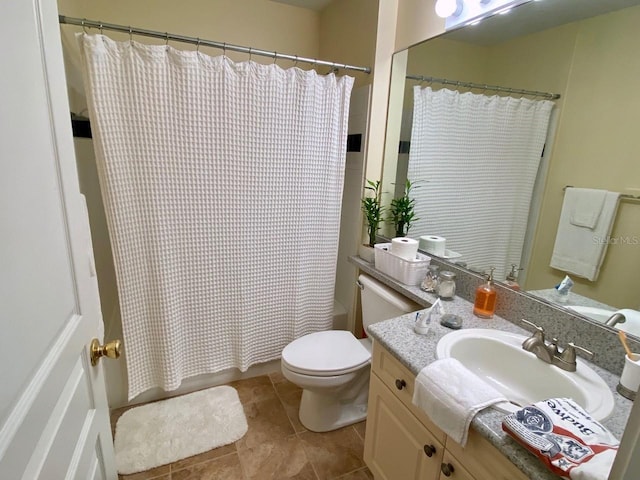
{"x":401,"y":23}
{"x":597,"y":146}
{"x":417,"y":22}
{"x":252,"y":23}
{"x":348,"y":35}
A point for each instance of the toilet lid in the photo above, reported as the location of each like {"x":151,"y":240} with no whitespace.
{"x":333,"y":352}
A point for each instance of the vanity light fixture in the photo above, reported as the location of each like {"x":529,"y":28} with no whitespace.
{"x":449,"y":8}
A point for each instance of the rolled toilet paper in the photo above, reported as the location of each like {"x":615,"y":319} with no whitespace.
{"x":433,"y":244}
{"x":404,"y":247}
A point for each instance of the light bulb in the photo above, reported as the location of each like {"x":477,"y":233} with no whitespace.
{"x":448,"y":8}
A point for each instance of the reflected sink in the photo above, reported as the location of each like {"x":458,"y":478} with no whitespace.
{"x":600,"y":315}
{"x":498,"y":358}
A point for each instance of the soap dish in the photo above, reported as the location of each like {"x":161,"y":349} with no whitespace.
{"x":452,"y":321}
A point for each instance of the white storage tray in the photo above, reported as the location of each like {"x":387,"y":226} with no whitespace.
{"x":409,"y":272}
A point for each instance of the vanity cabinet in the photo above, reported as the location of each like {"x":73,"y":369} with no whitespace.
{"x":402,"y":443}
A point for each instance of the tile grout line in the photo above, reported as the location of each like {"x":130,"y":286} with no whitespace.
{"x":278,"y":396}
{"x":295,"y":432}
{"x":313,"y":468}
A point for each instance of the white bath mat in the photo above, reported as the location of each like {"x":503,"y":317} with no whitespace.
{"x":163,"y":432}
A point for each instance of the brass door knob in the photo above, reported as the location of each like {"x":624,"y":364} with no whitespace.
{"x":110,"y":350}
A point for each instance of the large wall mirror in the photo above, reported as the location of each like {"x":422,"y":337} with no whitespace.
{"x":587,"y":52}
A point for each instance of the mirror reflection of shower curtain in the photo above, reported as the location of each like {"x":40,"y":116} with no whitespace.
{"x":475,"y":158}
{"x":222,"y":184}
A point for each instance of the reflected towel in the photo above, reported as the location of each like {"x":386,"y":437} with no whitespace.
{"x":580,"y":250}
{"x":451,"y":395}
{"x":586,"y":206}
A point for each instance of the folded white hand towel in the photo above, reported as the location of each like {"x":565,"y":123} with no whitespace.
{"x":586,"y":205}
{"x":565,"y":437}
{"x":451,"y":395}
{"x":580,"y":250}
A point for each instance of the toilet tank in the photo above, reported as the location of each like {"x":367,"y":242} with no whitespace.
{"x":380,"y":302}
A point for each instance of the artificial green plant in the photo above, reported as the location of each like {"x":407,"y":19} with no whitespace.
{"x":372,"y":208}
{"x":401,"y":213}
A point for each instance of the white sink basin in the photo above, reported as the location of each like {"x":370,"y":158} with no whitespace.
{"x":498,"y":358}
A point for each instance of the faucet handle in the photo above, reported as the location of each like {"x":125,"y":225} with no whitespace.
{"x":568,"y":355}
{"x":539,"y":330}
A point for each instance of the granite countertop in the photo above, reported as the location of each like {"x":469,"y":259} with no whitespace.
{"x":417,"y":351}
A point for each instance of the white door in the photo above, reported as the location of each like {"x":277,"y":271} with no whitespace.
{"x":53,"y":412}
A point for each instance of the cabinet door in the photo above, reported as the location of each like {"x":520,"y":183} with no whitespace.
{"x":397,"y":445}
{"x":483,"y":459}
{"x":452,"y":469}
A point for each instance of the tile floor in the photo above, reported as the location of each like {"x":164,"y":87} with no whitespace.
{"x":276,"y":446}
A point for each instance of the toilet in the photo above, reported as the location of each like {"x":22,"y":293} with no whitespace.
{"x":332,"y":367}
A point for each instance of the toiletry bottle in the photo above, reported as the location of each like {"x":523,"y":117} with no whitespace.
{"x":485,"y":304}
{"x":512,"y":278}
{"x":446,"y":288}
{"x":430,"y":282}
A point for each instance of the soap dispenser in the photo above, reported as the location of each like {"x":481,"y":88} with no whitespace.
{"x":485,"y":304}
{"x":512,"y":278}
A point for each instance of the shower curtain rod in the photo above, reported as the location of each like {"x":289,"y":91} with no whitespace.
{"x":481,"y":86}
{"x":83,"y":22}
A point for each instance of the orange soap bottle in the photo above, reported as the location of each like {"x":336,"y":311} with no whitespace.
{"x":485,"y":304}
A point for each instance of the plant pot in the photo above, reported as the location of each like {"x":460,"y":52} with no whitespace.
{"x":367,"y":253}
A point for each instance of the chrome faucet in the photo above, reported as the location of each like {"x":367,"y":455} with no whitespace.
{"x":614,"y":319}
{"x":549,"y":352}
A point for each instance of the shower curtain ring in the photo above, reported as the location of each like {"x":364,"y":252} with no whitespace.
{"x":166,"y":39}
{"x":275,"y":57}
{"x":295,"y":64}
{"x":84,"y":27}
{"x":198,"y":44}
{"x":100,"y":27}
{"x":224,"y":49}
{"x":130,"y":35}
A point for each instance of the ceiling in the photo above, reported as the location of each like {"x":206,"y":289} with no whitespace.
{"x":536,"y":16}
{"x":316,"y":5}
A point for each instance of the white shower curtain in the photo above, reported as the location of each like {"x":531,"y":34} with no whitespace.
{"x":222,"y":185}
{"x":475,"y":159}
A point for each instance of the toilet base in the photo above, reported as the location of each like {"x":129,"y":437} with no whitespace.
{"x":323,"y":413}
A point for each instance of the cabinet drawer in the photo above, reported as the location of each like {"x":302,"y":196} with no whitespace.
{"x":483,"y":459}
{"x":400,"y":381}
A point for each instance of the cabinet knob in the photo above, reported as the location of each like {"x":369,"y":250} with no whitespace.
{"x":447,"y":469}
{"x":429,"y":450}
{"x":400,"y":384}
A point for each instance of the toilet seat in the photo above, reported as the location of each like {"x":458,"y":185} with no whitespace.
{"x":324,"y":354}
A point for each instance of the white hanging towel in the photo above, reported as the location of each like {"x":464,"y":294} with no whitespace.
{"x":451,"y":395}
{"x":580,"y":250}
{"x":586,"y":206}
{"x":222,"y":184}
